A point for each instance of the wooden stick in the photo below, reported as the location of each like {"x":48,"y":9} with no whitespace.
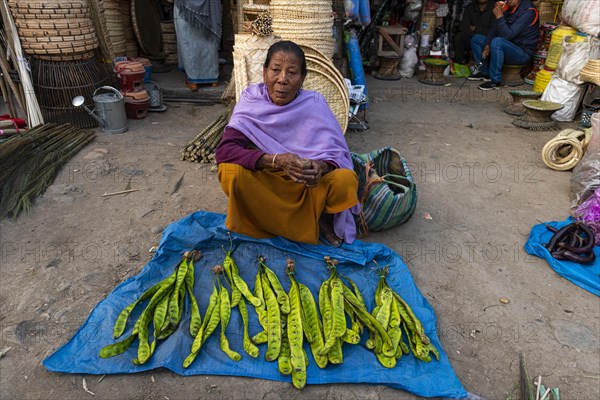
{"x":121,"y":192}
{"x":545,"y":394}
{"x":7,"y":99}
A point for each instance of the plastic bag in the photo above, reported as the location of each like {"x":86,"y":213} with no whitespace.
{"x":412,"y":12}
{"x":574,"y":56}
{"x":585,"y":179}
{"x":589,"y":213}
{"x":583,"y":15}
{"x":566,"y":93}
{"x":408,"y":62}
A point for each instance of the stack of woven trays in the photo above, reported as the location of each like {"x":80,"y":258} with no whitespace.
{"x":308,"y":22}
{"x":55,"y":31}
{"x":169,"y":42}
{"x":250,"y":53}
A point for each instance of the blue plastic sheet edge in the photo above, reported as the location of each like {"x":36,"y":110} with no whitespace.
{"x":206,"y":231}
{"x":586,"y":276}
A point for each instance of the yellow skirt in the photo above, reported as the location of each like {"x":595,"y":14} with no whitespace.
{"x":266,"y":203}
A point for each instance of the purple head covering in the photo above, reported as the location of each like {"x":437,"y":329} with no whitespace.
{"x":305,"y":127}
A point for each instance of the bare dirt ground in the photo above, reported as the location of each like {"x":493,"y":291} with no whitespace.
{"x":481,"y":181}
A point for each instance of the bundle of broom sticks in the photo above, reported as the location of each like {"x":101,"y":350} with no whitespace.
{"x":202,"y":148}
{"x":29,"y":162}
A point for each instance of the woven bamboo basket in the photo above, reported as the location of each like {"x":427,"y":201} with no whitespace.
{"x":57,"y":83}
{"x":308,"y":22}
{"x":32,"y":33}
{"x":312,"y":51}
{"x":249,"y":54}
{"x":86,"y":55}
{"x":167,"y":27}
{"x":55,"y":24}
{"x":56,"y":31}
{"x":325,"y":66}
{"x":336,"y":96}
{"x":169,"y":48}
{"x":172,"y":59}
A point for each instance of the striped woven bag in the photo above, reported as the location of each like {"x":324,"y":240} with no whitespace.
{"x":386,"y":189}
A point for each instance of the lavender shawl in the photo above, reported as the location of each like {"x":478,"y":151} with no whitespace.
{"x":305,"y":127}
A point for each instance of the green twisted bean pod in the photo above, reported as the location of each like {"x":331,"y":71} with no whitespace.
{"x":295,"y":336}
{"x":174,"y":303}
{"x":260,"y":338}
{"x":225,"y":312}
{"x":282,"y":297}
{"x":335,"y":355}
{"x":117,"y":348}
{"x":121,"y":322}
{"x":274,"y":322}
{"x":249,"y":347}
{"x":240,"y":285}
{"x":283,"y":361}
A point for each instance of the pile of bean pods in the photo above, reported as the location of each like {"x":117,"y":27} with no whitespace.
{"x":396,"y":316}
{"x":164,"y":310}
{"x":572,"y":242}
{"x":335,"y":301}
{"x":286,"y":318}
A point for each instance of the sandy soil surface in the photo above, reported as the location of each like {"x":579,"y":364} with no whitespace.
{"x":482,"y":185}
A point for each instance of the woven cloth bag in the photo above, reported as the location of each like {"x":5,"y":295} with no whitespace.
{"x":386,"y":189}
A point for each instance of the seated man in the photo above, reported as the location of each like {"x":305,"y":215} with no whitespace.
{"x":478,"y":18}
{"x":513,"y":40}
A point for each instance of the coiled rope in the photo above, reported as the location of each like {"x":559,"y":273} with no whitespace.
{"x":564,"y":151}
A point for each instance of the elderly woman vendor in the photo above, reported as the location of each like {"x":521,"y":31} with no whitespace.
{"x":284,"y":162}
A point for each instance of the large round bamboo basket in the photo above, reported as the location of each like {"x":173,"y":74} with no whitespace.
{"x":56,"y":31}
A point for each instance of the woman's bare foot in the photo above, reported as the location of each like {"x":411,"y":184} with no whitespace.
{"x":327,"y":233}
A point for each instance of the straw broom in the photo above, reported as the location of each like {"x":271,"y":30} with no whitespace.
{"x":30,"y":162}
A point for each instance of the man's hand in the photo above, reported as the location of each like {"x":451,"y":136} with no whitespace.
{"x":499,"y":9}
{"x":472,"y":28}
{"x":486,"y":52}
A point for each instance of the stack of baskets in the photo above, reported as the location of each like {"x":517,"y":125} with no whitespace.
{"x":169,"y":39}
{"x":308,"y":22}
{"x":131,"y":46}
{"x":55,"y":31}
{"x":115,"y":27}
{"x":250,"y":52}
{"x":111,"y":28}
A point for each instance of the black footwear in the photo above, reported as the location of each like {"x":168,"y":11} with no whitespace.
{"x":491,"y":85}
{"x":479,"y":77}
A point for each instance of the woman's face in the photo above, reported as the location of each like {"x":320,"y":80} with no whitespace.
{"x":283,"y":77}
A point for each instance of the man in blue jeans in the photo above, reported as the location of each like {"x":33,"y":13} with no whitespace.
{"x":513,"y":40}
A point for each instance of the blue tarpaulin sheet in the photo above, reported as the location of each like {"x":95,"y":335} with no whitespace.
{"x":206,"y":232}
{"x":586,"y":276}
